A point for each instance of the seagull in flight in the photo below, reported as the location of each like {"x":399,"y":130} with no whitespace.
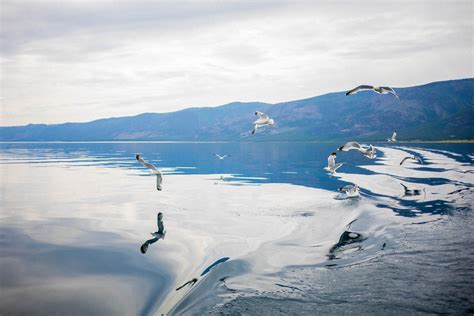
{"x":332,"y":166}
{"x":350,"y":190}
{"x":412,"y":157}
{"x":221,"y":157}
{"x":380,"y":90}
{"x":369,"y":152}
{"x":411,"y":192}
{"x":263,"y":120}
{"x":392,"y":139}
{"x":153,"y":170}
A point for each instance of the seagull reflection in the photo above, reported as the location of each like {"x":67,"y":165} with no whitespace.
{"x":160,"y":234}
{"x":209,"y":268}
{"x":221,"y":260}
{"x":411,"y":192}
{"x":190,"y":282}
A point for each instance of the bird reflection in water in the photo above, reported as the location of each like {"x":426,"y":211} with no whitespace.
{"x":160,"y":234}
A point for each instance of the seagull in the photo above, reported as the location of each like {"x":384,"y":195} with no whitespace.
{"x":412,"y":157}
{"x":380,"y":90}
{"x":159,"y":234}
{"x":263,"y":120}
{"x":221,"y":157}
{"x":332,"y":166}
{"x":392,"y":139}
{"x":153,"y":170}
{"x":369,"y":152}
{"x":350,"y":190}
{"x":411,"y":191}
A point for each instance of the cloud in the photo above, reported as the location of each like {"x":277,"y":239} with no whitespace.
{"x":134,"y":57}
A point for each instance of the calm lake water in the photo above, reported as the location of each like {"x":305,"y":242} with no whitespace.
{"x":75,"y":214}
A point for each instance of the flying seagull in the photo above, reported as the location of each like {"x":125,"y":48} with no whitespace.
{"x":411,"y":191}
{"x":332,"y":166}
{"x":221,"y":157}
{"x":263,"y":120}
{"x":350,"y":190}
{"x":369,"y":152}
{"x":380,"y":90}
{"x":393,"y":139}
{"x":153,"y":170}
{"x":413,"y":157}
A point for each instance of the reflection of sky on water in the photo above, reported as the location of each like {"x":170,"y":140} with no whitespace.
{"x":72,"y":223}
{"x":296,"y":163}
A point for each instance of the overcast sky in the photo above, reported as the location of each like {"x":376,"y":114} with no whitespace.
{"x":77,"y":61}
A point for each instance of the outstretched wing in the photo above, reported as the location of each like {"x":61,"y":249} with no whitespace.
{"x":389,"y":90}
{"x":350,"y":145}
{"x":146,"y":164}
{"x":359,"y":88}
{"x":338,"y":166}
{"x":254,"y":129}
{"x":159,"y":179}
{"x":331,"y":162}
{"x":262,"y":115}
{"x":404,"y":159}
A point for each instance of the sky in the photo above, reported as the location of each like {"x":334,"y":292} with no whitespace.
{"x":77,"y":61}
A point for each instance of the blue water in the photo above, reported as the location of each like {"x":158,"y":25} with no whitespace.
{"x":432,"y":273}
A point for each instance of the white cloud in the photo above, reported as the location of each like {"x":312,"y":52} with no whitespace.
{"x":85,"y":60}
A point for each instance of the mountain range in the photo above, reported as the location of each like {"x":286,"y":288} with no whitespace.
{"x":435,"y":111}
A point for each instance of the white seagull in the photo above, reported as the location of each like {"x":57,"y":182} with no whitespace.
{"x":350,"y":190}
{"x":221,"y":157}
{"x":332,"y":166}
{"x":413,"y":157}
{"x":411,"y":192}
{"x":153,"y":170}
{"x":369,"y":152}
{"x":380,"y":90}
{"x":263,"y":120}
{"x":393,"y":139}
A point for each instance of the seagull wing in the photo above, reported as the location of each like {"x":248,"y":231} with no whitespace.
{"x":338,"y":166}
{"x":350,"y":145}
{"x":147,"y":164}
{"x":159,"y":179}
{"x":404,"y":159}
{"x":359,"y":88}
{"x":331,"y":162}
{"x":389,"y":90}
{"x":254,"y":129}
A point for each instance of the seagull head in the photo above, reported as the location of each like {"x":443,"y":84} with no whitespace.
{"x":333,"y":154}
{"x":158,"y":188}
{"x":137,"y":157}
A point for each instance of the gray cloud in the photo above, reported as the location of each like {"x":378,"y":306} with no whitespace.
{"x":130,"y":57}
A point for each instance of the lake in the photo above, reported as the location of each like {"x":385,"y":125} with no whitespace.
{"x":263,"y":231}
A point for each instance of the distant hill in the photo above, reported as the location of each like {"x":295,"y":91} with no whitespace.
{"x":435,"y":111}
